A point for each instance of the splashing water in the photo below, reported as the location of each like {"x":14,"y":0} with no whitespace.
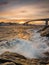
{"x":33,"y":48}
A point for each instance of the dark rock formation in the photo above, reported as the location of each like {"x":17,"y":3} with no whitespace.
{"x":45,"y":32}
{"x":8,"y":63}
{"x":9,"y":58}
{"x":13,"y":57}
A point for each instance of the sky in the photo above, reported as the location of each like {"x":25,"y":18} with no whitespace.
{"x":24,"y":9}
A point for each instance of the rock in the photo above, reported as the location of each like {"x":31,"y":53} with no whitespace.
{"x":13,"y":57}
{"x":9,"y":58}
{"x":45,"y":32}
{"x":8,"y":63}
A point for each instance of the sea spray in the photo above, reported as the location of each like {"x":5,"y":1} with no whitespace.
{"x":30,"y":49}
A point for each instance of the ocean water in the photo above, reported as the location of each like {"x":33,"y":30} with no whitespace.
{"x":26,"y":42}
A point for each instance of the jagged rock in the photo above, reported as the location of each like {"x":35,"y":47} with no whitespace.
{"x":13,"y":57}
{"x":9,"y":58}
{"x":8,"y":63}
{"x":45,"y":32}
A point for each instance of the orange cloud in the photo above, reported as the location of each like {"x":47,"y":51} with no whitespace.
{"x":24,"y":12}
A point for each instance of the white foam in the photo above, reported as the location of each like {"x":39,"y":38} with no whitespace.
{"x":30,"y":49}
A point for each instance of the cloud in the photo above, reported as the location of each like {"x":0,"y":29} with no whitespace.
{"x":3,"y":2}
{"x":24,"y":8}
{"x":23,"y":11}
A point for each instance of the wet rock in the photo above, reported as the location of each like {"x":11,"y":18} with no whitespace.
{"x":13,"y":57}
{"x":9,"y":58}
{"x":8,"y":63}
{"x":45,"y":32}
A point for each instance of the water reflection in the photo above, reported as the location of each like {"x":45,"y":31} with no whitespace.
{"x":23,"y":34}
{"x":7,"y":33}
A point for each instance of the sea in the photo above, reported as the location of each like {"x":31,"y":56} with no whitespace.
{"x":24,"y":40}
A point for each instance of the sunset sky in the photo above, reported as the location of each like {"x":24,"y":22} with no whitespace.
{"x":24,"y":9}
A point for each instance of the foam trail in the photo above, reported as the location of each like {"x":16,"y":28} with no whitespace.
{"x":30,"y":49}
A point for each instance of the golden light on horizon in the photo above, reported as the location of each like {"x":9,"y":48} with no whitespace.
{"x":21,"y":22}
{"x":37,"y":22}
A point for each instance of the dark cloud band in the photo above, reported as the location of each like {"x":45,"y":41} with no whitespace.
{"x":3,"y":3}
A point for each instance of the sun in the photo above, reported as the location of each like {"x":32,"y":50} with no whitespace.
{"x":21,"y":22}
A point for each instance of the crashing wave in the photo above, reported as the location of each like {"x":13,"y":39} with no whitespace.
{"x":29,"y":49}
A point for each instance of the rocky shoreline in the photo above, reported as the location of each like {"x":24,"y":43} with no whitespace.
{"x":9,"y":58}
{"x":45,"y":31}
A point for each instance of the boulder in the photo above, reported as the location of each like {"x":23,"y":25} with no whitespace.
{"x":45,"y":32}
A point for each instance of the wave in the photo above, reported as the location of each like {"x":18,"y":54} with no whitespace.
{"x":30,"y":49}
